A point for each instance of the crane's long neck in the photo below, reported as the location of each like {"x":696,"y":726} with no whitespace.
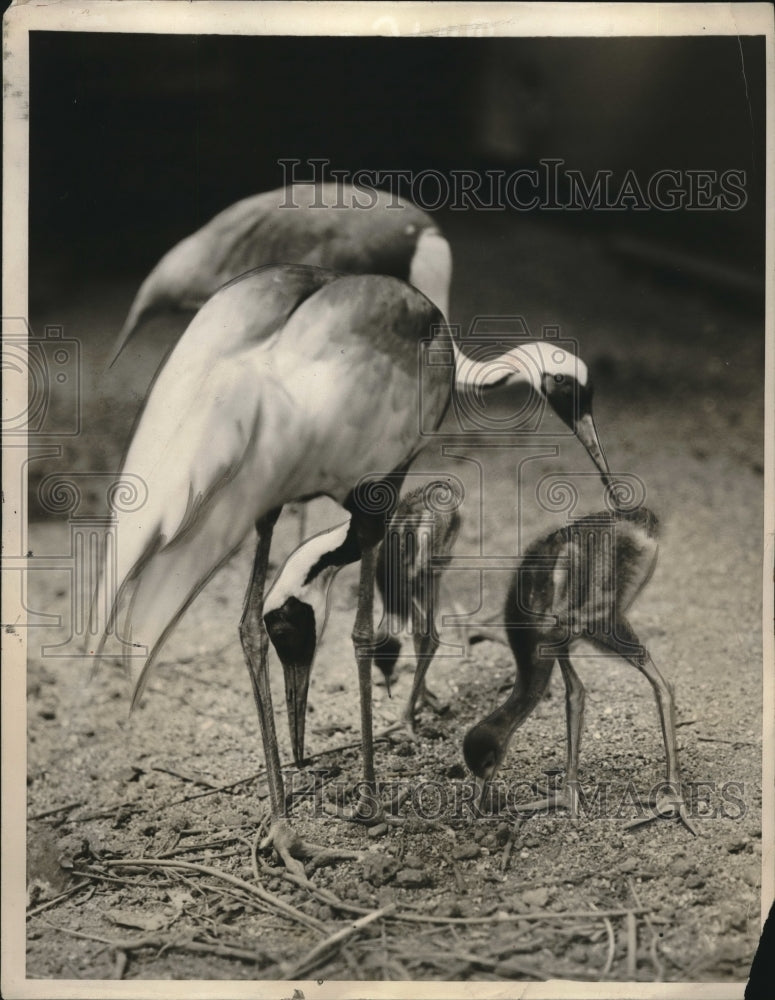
{"x":309,"y":571}
{"x":525,"y":364}
{"x":533,"y":673}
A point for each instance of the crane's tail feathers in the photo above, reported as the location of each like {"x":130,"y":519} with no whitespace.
{"x":139,"y":310}
{"x":152,"y":297}
{"x":163,"y":591}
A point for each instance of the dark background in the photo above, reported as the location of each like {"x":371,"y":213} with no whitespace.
{"x":138,"y":139}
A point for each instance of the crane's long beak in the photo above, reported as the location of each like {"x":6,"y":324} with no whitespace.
{"x":586,"y":432}
{"x":296,"y":689}
{"x":482,"y":785}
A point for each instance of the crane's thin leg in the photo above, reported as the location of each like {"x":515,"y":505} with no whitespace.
{"x":255,"y":645}
{"x":574,"y":722}
{"x":368,"y":808}
{"x":426,"y":642}
{"x":425,"y":627}
{"x":567,"y":796}
{"x":625,"y":642}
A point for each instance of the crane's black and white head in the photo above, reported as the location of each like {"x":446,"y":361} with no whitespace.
{"x":569,"y":393}
{"x":559,"y":376}
{"x":563,"y":379}
{"x":295,"y":613}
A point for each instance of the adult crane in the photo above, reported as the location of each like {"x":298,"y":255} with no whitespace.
{"x":357,"y":231}
{"x":337,"y":226}
{"x":278,"y":391}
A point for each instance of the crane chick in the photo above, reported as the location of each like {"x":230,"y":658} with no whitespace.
{"x":577,"y":583}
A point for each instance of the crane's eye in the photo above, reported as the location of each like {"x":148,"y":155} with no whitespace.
{"x":559,"y":379}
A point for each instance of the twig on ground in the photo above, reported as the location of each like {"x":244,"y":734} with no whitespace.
{"x":260,"y":774}
{"x":120,"y":964}
{"x":632,"y":944}
{"x":446,"y":960}
{"x":203,"y":845}
{"x":509,"y":846}
{"x":653,"y":944}
{"x":109,"y":811}
{"x":609,"y":929}
{"x":185,"y":777}
{"x":139,"y":882}
{"x":57,"y":899}
{"x":155,"y":941}
{"x":733,"y":743}
{"x":264,"y":895}
{"x":322,"y":950}
{"x":53,"y":812}
{"x":509,"y":917}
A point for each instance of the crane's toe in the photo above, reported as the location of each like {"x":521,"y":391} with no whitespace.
{"x":561,"y":798}
{"x":286,"y":842}
{"x":290,"y":847}
{"x":669,"y":804}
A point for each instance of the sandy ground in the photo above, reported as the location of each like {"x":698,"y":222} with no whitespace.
{"x":679,"y":405}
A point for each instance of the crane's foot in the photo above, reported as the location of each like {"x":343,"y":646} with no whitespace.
{"x":405,"y":728}
{"x":669,"y":804}
{"x":563,"y":798}
{"x":402,"y":729}
{"x":432,"y":701}
{"x":290,"y":848}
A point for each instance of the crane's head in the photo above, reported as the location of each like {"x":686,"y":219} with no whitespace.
{"x":554,"y":373}
{"x":295,"y":613}
{"x":563,"y":379}
{"x":484,"y":748}
{"x":386,"y":652}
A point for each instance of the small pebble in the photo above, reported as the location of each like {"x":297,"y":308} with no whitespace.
{"x":536,"y":897}
{"x":502,"y":834}
{"x":411,"y":878}
{"x":378,"y":831}
{"x":466,"y":852}
{"x":629,"y":865}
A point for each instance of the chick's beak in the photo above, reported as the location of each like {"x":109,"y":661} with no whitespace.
{"x":482,"y":785}
{"x":586,"y":432}
{"x":296,"y":689}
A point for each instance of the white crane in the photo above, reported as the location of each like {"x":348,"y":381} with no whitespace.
{"x":291,"y":382}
